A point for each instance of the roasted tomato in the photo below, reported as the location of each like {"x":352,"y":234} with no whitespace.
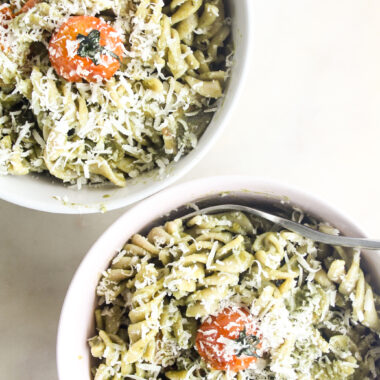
{"x":230,"y":340}
{"x":85,"y":47}
{"x":5,"y":15}
{"x":5,"y":12}
{"x":28,"y":5}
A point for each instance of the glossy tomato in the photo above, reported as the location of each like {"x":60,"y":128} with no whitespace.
{"x":85,"y":47}
{"x":229,"y":340}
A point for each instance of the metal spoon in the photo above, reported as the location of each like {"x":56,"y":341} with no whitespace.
{"x":307,"y":232}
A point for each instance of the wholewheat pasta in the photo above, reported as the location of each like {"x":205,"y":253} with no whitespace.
{"x":317,"y":315}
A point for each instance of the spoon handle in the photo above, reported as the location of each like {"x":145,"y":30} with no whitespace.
{"x":301,"y":229}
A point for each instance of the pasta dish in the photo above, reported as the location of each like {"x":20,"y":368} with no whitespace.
{"x":231,"y":296}
{"x":101,"y":91}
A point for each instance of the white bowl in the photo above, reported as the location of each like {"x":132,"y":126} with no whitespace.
{"x":40,"y":193}
{"x":76,"y":322}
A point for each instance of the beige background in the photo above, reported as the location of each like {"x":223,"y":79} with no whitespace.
{"x":309,"y":116}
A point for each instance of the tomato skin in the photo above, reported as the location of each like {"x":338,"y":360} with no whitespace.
{"x":6,"y":12}
{"x":64,"y":45}
{"x":28,"y":5}
{"x":229,"y":323}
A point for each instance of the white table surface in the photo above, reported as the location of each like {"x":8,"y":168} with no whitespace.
{"x":309,"y":115}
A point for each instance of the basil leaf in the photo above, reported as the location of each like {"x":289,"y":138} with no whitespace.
{"x":248,"y":344}
{"x":89,"y":47}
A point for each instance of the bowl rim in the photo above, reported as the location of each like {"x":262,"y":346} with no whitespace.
{"x":156,"y":185}
{"x":199,"y":188}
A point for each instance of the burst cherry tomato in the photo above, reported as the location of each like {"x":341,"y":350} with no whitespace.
{"x":5,"y":15}
{"x":5,"y":12}
{"x":229,"y":340}
{"x":85,"y":47}
{"x":28,"y":5}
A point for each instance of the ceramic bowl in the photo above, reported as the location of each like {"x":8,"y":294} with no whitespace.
{"x":77,"y":321}
{"x":44,"y":194}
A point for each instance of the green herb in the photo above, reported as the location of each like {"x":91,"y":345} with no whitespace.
{"x":90,"y":47}
{"x":248,"y":344}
